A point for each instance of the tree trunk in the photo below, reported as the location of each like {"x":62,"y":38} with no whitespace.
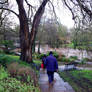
{"x":39,"y":47}
{"x":24,"y":33}
{"x":33,"y":48}
{"x":27,"y":39}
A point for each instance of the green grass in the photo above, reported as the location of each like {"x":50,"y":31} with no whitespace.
{"x":81,"y":81}
{"x":83,"y":74}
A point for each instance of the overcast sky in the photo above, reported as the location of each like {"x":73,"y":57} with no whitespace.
{"x":62,"y":12}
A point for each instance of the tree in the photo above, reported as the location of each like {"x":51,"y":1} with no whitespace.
{"x":27,"y":37}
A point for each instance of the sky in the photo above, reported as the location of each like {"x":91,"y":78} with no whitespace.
{"x":65,"y":17}
{"x":62,"y":13}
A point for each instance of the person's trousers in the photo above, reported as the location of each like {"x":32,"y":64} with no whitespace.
{"x":50,"y":76}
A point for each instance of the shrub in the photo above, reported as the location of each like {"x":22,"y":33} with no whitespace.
{"x":1,"y":51}
{"x":74,"y":57}
{"x":16,"y":69}
{"x":40,"y":56}
{"x":7,"y":59}
{"x":35,"y":56}
{"x":84,"y":60}
{"x":3,"y":74}
{"x":7,"y":45}
{"x":67,"y":60}
{"x":64,"y":59}
{"x":63,"y":55}
{"x":55,"y":54}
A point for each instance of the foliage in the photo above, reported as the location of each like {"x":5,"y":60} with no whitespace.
{"x":40,"y":56}
{"x":84,"y":60}
{"x":1,"y":51}
{"x":55,"y":54}
{"x":3,"y":74}
{"x":37,"y":62}
{"x":81,"y":38}
{"x":9,"y":84}
{"x":68,"y":60}
{"x":7,"y":59}
{"x":7,"y":45}
{"x":21,"y":71}
{"x":35,"y":55}
{"x":74,"y":57}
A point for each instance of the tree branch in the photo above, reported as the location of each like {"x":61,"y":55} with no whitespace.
{"x":53,"y":9}
{"x":37,"y":19}
{"x":69,"y":9}
{"x":10,"y":11}
{"x":85,"y":8}
{"x":4,"y":2}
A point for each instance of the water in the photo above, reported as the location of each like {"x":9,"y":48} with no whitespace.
{"x":67,"y":52}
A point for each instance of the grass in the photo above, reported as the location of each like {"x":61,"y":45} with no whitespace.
{"x":81,"y":81}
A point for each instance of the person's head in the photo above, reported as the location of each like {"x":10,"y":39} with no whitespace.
{"x":50,"y":53}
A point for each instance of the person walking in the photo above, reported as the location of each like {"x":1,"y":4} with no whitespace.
{"x":51,"y":65}
{"x":43,"y":60}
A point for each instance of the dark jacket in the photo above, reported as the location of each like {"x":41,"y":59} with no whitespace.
{"x":51,"y":63}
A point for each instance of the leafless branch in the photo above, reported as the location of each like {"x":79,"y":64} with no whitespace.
{"x":10,"y":11}
{"x":29,"y":4}
{"x":85,"y":8}
{"x":73,"y":16}
{"x":30,"y":8}
{"x":53,"y":9}
{"x":4,"y":2}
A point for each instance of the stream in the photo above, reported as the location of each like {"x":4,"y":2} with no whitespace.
{"x":67,"y":52}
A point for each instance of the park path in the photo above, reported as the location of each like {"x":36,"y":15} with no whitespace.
{"x":58,"y":86}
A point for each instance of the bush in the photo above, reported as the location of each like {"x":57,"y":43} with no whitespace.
{"x":35,"y":55}
{"x":74,"y":57}
{"x":24,"y":77}
{"x":63,"y":55}
{"x":55,"y":54}
{"x":9,"y":84}
{"x":67,"y":60}
{"x":40,"y":56}
{"x":1,"y":51}
{"x":16,"y":69}
{"x":5,"y":59}
{"x":84,"y":60}
{"x":3,"y":74}
{"x":64,"y":59}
